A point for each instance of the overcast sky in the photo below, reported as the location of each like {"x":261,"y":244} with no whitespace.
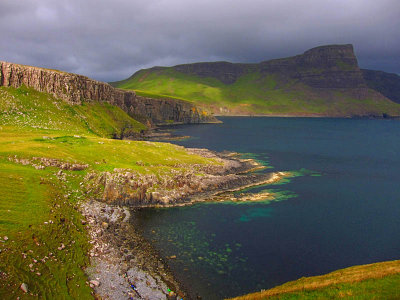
{"x":110,"y":40}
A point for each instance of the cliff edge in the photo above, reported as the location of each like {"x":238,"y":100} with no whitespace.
{"x":76,"y":89}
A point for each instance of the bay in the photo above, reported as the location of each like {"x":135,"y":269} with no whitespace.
{"x":341,"y":210}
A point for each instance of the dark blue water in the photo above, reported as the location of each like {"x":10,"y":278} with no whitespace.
{"x":349,"y":215}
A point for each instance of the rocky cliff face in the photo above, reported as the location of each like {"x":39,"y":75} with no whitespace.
{"x":332,"y":66}
{"x":76,"y":89}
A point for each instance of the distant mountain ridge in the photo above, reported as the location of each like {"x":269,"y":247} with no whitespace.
{"x":323,"y":81}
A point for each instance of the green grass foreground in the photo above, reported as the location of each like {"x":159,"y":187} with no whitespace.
{"x":43,"y":242}
{"x":254,"y":93}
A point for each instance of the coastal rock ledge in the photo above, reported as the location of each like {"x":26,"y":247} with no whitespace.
{"x":184,"y":186}
{"x":76,"y":89}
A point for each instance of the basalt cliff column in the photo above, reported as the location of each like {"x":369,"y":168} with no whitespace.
{"x":76,"y":89}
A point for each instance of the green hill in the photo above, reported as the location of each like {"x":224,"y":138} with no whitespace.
{"x":31,"y":110}
{"x":43,"y":241}
{"x":324,"y":81}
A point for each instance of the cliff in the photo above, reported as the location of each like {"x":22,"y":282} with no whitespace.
{"x":332,"y":66}
{"x":325,"y":81}
{"x":76,"y":89}
{"x":388,"y":84}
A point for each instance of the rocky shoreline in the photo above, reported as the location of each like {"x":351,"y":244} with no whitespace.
{"x":182,"y":186}
{"x":124,"y":265}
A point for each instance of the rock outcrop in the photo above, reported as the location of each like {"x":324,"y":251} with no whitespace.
{"x":332,"y":66}
{"x":184,"y":185}
{"x":76,"y":89}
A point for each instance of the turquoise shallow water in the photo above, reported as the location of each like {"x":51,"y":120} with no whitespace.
{"x":342,"y":210}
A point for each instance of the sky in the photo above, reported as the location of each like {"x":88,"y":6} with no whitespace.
{"x":110,"y":40}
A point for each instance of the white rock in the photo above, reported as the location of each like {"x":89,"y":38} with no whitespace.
{"x":24,"y":287}
{"x":95,"y":283}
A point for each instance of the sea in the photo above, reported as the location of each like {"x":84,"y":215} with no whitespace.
{"x":340,"y":208}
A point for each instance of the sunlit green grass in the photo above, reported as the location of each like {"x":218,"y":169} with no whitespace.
{"x":253,"y":93}
{"x":373,"y":281}
{"x":37,"y":219}
{"x":38,"y":211}
{"x":33,"y":111}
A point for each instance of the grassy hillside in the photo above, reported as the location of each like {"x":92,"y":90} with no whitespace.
{"x":374,"y":281}
{"x":43,"y":242}
{"x":256,"y":93}
{"x":31,"y":110}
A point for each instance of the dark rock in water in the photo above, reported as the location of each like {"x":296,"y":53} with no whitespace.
{"x":171,"y":296}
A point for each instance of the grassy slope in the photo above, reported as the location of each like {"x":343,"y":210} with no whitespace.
{"x":252,"y":93}
{"x":31,"y":110}
{"x":374,"y":281}
{"x":35,"y":124}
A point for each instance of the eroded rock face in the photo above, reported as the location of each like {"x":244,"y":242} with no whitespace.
{"x":332,"y":66}
{"x":76,"y":89}
{"x":181,"y":186}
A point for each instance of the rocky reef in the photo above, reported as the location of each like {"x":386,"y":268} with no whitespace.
{"x":76,"y":89}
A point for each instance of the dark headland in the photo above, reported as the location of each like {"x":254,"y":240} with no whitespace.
{"x":325,"y":81}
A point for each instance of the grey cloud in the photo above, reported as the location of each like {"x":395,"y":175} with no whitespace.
{"x":109,"y":40}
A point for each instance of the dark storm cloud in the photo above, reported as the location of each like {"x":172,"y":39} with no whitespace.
{"x":109,"y":40}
